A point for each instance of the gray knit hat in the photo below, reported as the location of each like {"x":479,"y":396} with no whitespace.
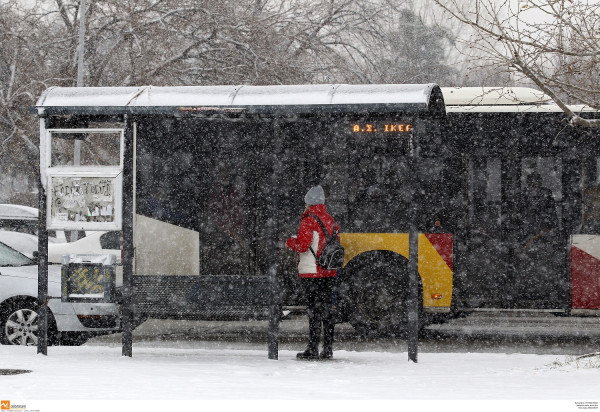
{"x":315,"y":196}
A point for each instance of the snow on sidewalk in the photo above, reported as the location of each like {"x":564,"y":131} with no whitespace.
{"x":100,"y":372}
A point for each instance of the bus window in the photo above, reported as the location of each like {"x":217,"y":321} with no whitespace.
{"x":494,"y":185}
{"x":374,"y":182}
{"x":548,"y":169}
{"x":591,"y":196}
{"x":485,"y":194}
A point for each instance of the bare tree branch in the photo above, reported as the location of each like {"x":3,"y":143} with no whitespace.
{"x":555,"y":44}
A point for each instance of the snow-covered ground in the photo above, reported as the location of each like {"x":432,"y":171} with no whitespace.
{"x":170,"y":376}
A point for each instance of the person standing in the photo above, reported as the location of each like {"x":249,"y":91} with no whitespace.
{"x":318,"y":283}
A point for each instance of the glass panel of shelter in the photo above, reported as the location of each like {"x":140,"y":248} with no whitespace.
{"x":98,"y":148}
{"x":227,"y":236}
{"x":214,"y":176}
{"x":368,"y":179}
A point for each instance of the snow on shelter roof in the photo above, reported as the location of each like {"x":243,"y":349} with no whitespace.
{"x":492,"y":96}
{"x":502,"y":100}
{"x":413,"y":97}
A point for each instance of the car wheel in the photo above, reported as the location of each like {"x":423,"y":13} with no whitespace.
{"x":19,"y":324}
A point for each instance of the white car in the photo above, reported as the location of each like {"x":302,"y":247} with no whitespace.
{"x":24,"y":219}
{"x":25,"y":243}
{"x":94,"y":243}
{"x":18,"y":213}
{"x":69,"y":323}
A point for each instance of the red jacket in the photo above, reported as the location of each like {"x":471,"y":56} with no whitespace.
{"x":310,"y":232}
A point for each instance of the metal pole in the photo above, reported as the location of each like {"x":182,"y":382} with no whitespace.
{"x":128,"y":195}
{"x":80,"y":71}
{"x":275,"y":307}
{"x":42,"y":346}
{"x":413,"y":265}
{"x":413,"y":293}
{"x":81,"y":45}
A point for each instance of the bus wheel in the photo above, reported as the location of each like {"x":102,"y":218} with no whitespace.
{"x":378,"y":294}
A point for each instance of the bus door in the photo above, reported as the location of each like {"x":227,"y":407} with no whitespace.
{"x":515,"y":235}
{"x":486,"y":260}
{"x":537,"y":233}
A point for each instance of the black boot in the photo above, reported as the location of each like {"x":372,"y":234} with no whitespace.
{"x":327,"y":352}
{"x":314,"y":335}
{"x":309,"y":353}
{"x":328,"y":331}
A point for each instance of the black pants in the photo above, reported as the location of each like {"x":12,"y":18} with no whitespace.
{"x":319,"y":295}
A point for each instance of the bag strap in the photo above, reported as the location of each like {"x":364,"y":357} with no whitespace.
{"x":325,"y":232}
{"x":327,"y":235}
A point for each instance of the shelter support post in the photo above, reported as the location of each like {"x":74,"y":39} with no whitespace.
{"x":413,"y":294}
{"x":42,"y":344}
{"x":274,"y":308}
{"x":274,"y":318}
{"x":413,"y":269}
{"x":273,"y":192}
{"x":127,"y":302}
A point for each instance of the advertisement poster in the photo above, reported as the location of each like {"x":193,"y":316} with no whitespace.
{"x":80,"y":201}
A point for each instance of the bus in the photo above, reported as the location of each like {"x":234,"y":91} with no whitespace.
{"x":528,"y":233}
{"x":502,"y":191}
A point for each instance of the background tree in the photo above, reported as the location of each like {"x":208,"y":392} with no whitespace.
{"x":196,"y":42}
{"x":24,"y":73}
{"x":555,"y":44}
{"x":415,"y":52}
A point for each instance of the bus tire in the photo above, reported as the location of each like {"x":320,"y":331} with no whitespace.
{"x":378,"y":293}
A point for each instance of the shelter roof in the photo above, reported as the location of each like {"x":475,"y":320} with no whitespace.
{"x":294,"y":98}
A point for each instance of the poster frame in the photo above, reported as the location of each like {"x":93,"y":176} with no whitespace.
{"x":112,"y":172}
{"x":117,"y":178}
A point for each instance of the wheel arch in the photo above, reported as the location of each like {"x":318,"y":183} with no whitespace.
{"x":435,"y":262}
{"x":18,"y":298}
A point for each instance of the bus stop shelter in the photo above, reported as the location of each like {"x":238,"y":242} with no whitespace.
{"x":127,"y":128}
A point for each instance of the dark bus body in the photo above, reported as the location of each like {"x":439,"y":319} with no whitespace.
{"x":504,"y":198}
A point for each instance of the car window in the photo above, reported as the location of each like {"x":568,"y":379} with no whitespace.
{"x":10,"y":257}
{"x":110,"y":240}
